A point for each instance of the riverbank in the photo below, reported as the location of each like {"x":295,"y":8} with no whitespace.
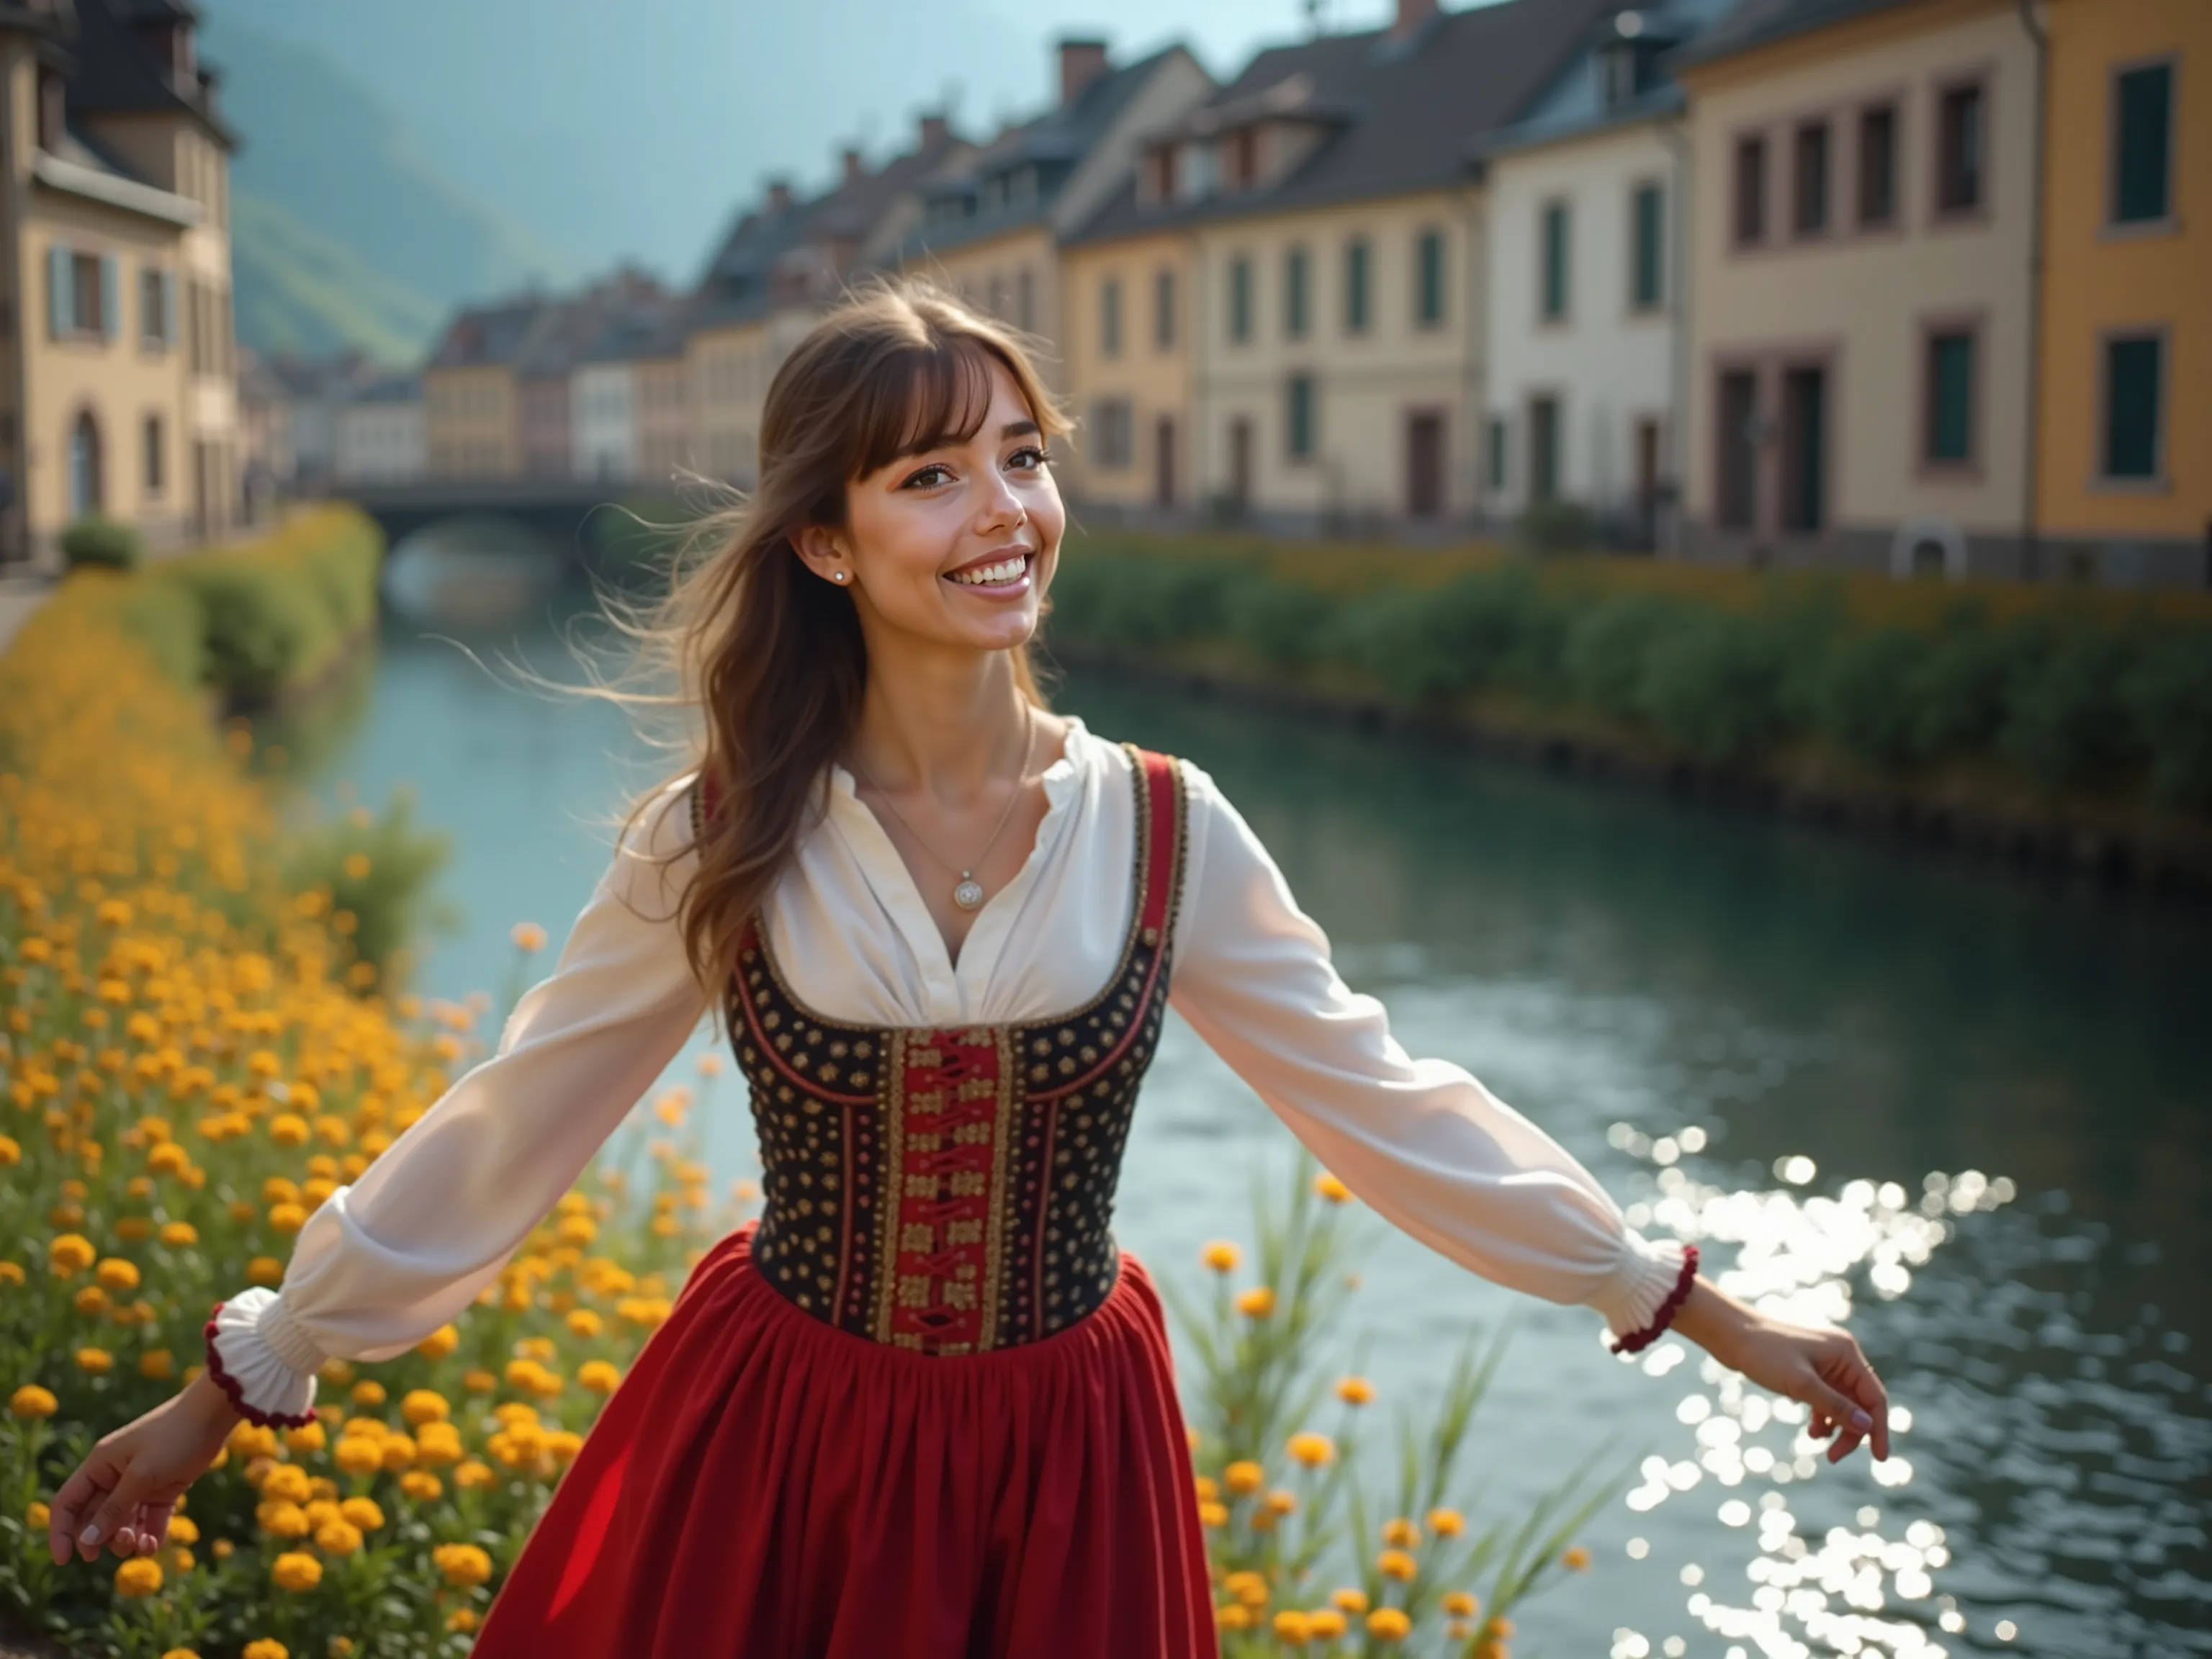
{"x":2069,"y":730}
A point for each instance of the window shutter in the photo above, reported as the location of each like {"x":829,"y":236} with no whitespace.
{"x":60,"y":298}
{"x":168,"y":307}
{"x":111,"y":309}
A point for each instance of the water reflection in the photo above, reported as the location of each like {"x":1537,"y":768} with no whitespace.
{"x":1961,"y":1107}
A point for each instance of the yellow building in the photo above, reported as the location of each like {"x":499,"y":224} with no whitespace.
{"x":1127,"y":316}
{"x":2124,"y":410}
{"x":472,"y":402}
{"x":119,"y":395}
{"x":992,"y":225}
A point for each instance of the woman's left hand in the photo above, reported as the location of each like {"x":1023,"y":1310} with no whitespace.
{"x":1820,"y":1366}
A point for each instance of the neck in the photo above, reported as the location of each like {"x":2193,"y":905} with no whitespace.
{"x":942,"y":722}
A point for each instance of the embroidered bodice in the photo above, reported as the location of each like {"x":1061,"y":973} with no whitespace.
{"x":952,"y":1191}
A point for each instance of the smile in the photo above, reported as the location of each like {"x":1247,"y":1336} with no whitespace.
{"x":1003,"y":574}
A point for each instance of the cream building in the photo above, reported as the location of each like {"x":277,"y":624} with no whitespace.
{"x":472,"y":398}
{"x":377,"y":433}
{"x":1126,"y":317}
{"x":993,"y":223}
{"x":1862,"y":208}
{"x":119,"y":395}
{"x":1334,"y":220}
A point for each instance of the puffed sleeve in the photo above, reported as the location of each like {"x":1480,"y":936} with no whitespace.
{"x":1422,"y":1142}
{"x":385,"y":1261}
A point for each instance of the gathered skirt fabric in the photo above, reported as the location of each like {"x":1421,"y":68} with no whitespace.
{"x":765,"y":1483}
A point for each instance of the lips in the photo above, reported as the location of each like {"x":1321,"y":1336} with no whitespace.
{"x":997,"y":570}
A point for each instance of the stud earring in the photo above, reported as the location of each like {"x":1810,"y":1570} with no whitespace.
{"x":840,"y":575}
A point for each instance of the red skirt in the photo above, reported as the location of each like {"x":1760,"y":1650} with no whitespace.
{"x":764,"y":1485}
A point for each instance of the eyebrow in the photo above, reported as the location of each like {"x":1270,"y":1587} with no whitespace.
{"x":950,"y":440}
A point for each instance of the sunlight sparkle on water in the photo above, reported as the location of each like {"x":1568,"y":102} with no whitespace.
{"x":1848,"y":1590}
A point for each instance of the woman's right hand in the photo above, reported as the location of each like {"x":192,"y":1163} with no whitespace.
{"x":122,"y":1496}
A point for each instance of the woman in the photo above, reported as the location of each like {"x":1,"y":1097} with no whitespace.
{"x":924,"y":1407}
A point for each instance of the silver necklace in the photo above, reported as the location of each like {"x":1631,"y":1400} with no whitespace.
{"x":967,"y":892}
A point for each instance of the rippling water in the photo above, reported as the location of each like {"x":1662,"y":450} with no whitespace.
{"x":1962,"y":1109}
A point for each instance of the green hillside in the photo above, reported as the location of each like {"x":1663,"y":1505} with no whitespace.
{"x":299,"y":291}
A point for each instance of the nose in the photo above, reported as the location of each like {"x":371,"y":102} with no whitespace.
{"x":1001,"y":507}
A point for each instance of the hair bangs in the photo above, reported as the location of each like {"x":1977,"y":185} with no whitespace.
{"x":929,"y":394}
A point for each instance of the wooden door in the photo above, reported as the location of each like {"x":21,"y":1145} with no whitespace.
{"x":1240,"y":462}
{"x":1424,"y":464}
{"x":1163,"y":462}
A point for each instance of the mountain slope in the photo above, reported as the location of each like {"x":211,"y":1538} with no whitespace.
{"x":356,"y":225}
{"x":297,"y":290}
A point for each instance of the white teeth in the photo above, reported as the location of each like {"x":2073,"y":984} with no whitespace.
{"x":985,"y":576}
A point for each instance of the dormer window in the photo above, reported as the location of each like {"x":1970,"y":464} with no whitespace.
{"x":1244,"y":169}
{"x":52,"y":110}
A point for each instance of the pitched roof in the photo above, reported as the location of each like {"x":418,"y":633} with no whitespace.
{"x":484,"y":335}
{"x":1055,"y":143}
{"x":112,"y":71}
{"x":1399,"y":111}
{"x":1765,"y":22}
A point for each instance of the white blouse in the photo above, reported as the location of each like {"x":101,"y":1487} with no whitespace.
{"x":385,"y":1261}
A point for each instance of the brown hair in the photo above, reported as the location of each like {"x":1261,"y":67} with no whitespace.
{"x":766,"y":651}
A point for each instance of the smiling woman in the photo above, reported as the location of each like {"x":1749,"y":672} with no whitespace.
{"x":926,"y":1404}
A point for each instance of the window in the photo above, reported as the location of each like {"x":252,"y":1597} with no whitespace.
{"x":1164,"y":311}
{"x":1355,"y":286}
{"x":1429,"y":279}
{"x":1244,"y":158}
{"x":1294,"y":294}
{"x":2142,"y":140}
{"x":1498,"y":457}
{"x":1553,"y":288}
{"x":1240,"y":298}
{"x":81,"y":293}
{"x":157,"y":307}
{"x":1647,"y":208}
{"x":2134,"y":371}
{"x":1299,"y":416}
{"x":153,"y":458}
{"x":1543,"y":449}
{"x":1750,"y":190}
{"x":1113,"y":441}
{"x":1960,"y":156}
{"x":1878,"y":166}
{"x":1947,"y":430}
{"x":1735,"y":499}
{"x":1109,"y":317}
{"x":1810,"y":215}
{"x":1805,"y":449}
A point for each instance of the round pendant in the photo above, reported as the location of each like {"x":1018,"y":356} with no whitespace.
{"x":968,"y":894}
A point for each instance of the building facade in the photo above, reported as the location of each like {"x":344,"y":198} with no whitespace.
{"x":119,"y":395}
{"x":377,"y":435}
{"x":2124,"y":407}
{"x":1127,"y":317}
{"x":471,"y":396}
{"x":1862,"y":213}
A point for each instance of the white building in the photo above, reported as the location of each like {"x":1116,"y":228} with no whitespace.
{"x":377,"y":434}
{"x":1586,"y":285}
{"x":605,"y":406}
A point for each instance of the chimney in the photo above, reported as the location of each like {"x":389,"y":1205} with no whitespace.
{"x":933,"y":131}
{"x":1081,"y":62}
{"x":1412,"y":16}
{"x":779,"y":195}
{"x":854,"y":167}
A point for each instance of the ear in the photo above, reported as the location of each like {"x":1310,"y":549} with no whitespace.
{"x":822,"y":549}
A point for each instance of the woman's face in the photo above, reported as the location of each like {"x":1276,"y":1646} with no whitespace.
{"x":955,"y":544}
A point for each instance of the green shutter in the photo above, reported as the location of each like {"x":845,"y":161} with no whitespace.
{"x":2131,"y":407}
{"x":2141,"y":129}
{"x":1355,"y":286}
{"x":111,"y":296}
{"x":1294,"y":293}
{"x":1555,"y":259}
{"x":61,"y":292}
{"x":1650,"y":243}
{"x":1951,"y":391}
{"x":1240,"y":298}
{"x":1430,"y":300}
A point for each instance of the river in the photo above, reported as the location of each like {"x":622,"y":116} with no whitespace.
{"x":1961,"y":1106}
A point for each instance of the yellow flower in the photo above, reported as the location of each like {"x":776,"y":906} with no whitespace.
{"x":464,"y":1566}
{"x":1325,"y":1624}
{"x":32,"y":1400}
{"x":307,"y":1437}
{"x":1213,"y":1515}
{"x":1447,"y":1523}
{"x":286,"y":1218}
{"x":1293,"y":1628}
{"x":1351,"y":1600}
{"x":357,"y":1454}
{"x":598,"y":1376}
{"x":252,"y":1440}
{"x":37,"y":1516}
{"x":178,"y":1234}
{"x":11,"y":1151}
{"x":1234,"y":1616}
{"x":421,"y":1486}
{"x":461,"y":1619}
{"x":118,"y":1274}
{"x":1497,"y":1630}
{"x":180,"y":1559}
{"x":1282,"y":1502}
{"x":355,"y":866}
{"x":267,"y":1648}
{"x":183,"y":1529}
{"x":1396,"y":1564}
{"x":1400,"y":1533}
{"x":157,"y":1363}
{"x":362,"y":1512}
{"x":91,"y":1300}
{"x":1249,"y":1587}
{"x":338,"y":1538}
{"x":1312,"y":1450}
{"x":367,"y":1392}
{"x":1331,"y":1188}
{"x":70,"y":1254}
{"x":422,"y":1406}
{"x":289,"y":1129}
{"x":584,"y":1322}
{"x":438,"y":1443}
{"x":1461,"y":1604}
{"x":288,"y":1483}
{"x":140,"y":1576}
{"x":180,"y":1653}
{"x":529,"y":937}
{"x":440,"y":1343}
{"x":1388,"y":1625}
{"x":1355,"y":1391}
{"x":295,"y":1569}
{"x":95,"y":1360}
{"x":1223,"y":1257}
{"x":281,"y":1518}
{"x":473,"y":1473}
{"x":1577,"y":1558}
{"x":223,"y":1549}
{"x":264,"y":1270}
{"x":1257,"y":1303}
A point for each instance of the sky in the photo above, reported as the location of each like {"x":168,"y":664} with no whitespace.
{"x":637,"y":129}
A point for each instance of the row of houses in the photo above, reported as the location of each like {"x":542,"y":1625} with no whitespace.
{"x":118,"y":370}
{"x":1898,"y":285}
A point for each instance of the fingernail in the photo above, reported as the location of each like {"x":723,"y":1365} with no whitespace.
{"x":1860,"y":1421}
{"x":89,"y":1536}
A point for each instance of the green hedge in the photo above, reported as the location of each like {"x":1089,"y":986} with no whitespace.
{"x":2079,"y":699}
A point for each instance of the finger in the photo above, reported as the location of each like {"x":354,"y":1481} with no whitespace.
{"x":94,"y":1478}
{"x":153,"y":1522}
{"x":1850,"y":1374}
{"x":111,"y":1521}
{"x":1840,"y":1410}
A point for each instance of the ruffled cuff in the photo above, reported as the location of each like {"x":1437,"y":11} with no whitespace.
{"x":1649,"y":1288}
{"x":260,"y":1359}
